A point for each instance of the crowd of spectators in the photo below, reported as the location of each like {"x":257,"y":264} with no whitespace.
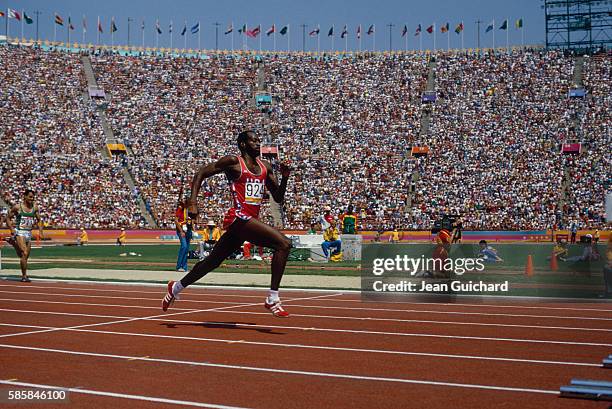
{"x":345,"y":123}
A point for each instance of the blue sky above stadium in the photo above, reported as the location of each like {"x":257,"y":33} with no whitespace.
{"x":313,"y":13}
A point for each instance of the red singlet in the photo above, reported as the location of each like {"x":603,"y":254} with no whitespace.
{"x":247,"y":193}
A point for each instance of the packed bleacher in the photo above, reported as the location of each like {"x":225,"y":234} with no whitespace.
{"x":346,"y":124}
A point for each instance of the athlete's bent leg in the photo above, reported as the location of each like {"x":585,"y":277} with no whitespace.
{"x":261,"y":234}
{"x":23,"y":251}
{"x":227,"y":244}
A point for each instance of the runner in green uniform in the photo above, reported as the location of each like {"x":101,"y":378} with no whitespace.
{"x":26,"y":216}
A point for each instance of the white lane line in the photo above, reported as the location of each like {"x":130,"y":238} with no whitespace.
{"x":486,"y":314}
{"x":213,"y":294}
{"x":121,"y":395}
{"x":295,"y":372}
{"x":336,"y":317}
{"x":405,"y":353}
{"x":206,"y":289}
{"x":42,"y":329}
{"x":248,"y":325}
{"x":314,"y":307}
{"x":153,"y":316}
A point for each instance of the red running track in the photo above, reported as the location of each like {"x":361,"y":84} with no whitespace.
{"x":219,"y":348}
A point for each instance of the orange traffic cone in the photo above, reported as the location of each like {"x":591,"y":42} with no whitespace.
{"x":529,"y":266}
{"x":554,"y":265}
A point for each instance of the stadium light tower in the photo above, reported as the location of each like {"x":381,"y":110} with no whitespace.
{"x":578,"y":24}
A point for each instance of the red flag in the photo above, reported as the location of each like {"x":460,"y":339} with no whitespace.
{"x":430,"y":29}
{"x":254,"y":32}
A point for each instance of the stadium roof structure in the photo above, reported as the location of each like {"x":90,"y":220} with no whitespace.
{"x":584,"y":25}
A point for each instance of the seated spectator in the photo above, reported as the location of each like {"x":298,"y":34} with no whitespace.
{"x":331,"y":240}
{"x":488,"y":253}
{"x":121,"y":240}
{"x":83,"y":238}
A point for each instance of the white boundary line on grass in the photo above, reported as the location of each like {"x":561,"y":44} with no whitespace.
{"x":120,"y":395}
{"x":149,"y":317}
{"x":292,"y":372}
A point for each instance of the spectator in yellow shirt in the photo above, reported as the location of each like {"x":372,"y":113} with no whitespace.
{"x":210,"y":236}
{"x":331,"y":239}
{"x":122,"y":238}
{"x":83,"y":237}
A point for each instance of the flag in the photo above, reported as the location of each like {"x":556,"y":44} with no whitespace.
{"x":243,"y":29}
{"x":142,"y":25}
{"x":157,"y":27}
{"x":459,"y":28}
{"x":27,"y":18}
{"x":430,"y":29}
{"x":331,"y":31}
{"x":418,"y":30}
{"x":15,"y":14}
{"x":70,"y":26}
{"x":314,"y":32}
{"x":504,"y":25}
{"x":100,"y":26}
{"x":184,"y":30}
{"x":230,"y":28}
{"x":371,"y":30}
{"x":359,"y":31}
{"x":444,"y":29}
{"x":283,"y":30}
{"x":404,"y":30}
{"x":271,"y":30}
{"x":170,"y":27}
{"x":113,"y":27}
{"x":196,"y":28}
{"x":489,"y":27}
{"x":519,"y":23}
{"x":254,"y":32}
{"x":84,"y":24}
{"x":344,"y":32}
{"x":1,"y":13}
{"x":59,"y":20}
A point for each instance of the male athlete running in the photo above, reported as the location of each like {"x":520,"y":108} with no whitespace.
{"x":26,"y":215}
{"x":247,"y":175}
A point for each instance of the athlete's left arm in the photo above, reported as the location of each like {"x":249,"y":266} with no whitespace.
{"x":277,"y":190}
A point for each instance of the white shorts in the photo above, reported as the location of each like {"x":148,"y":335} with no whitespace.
{"x":26,"y":234}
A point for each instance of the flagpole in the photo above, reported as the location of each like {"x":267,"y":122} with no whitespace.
{"x":434,"y":32}
{"x":185,"y":36}
{"x":507,"y":35}
{"x":462,"y":35}
{"x":199,"y":37}
{"x":98,"y":30}
{"x":448,"y":38}
{"x":232,"y":37}
{"x":83,"y":30}
{"x":260,"y":35}
{"x":274,"y":35}
{"x":68,"y":29}
{"x":319,"y":39}
{"x":171,"y":36}
{"x":142,"y":29}
{"x":22,"y":21}
{"x":54,"y":31}
{"x":359,"y":37}
{"x":288,"y":37}
{"x":6,"y":25}
{"x":346,"y":40}
{"x":374,"y":39}
{"x":493,"y":35}
{"x":420,"y":42}
{"x":112,"y":32}
{"x":333,"y":36}
{"x":523,"y":35}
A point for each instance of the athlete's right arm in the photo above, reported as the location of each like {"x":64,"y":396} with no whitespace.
{"x":222,"y":165}
{"x":9,"y":218}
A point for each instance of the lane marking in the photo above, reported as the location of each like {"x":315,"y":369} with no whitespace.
{"x":50,"y":329}
{"x":345,"y":292}
{"x":314,"y":307}
{"x":296,"y":372}
{"x":121,"y":395}
{"x":345,"y":349}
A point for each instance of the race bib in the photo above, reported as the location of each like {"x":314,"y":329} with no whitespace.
{"x":27,"y":222}
{"x":253,"y":191}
